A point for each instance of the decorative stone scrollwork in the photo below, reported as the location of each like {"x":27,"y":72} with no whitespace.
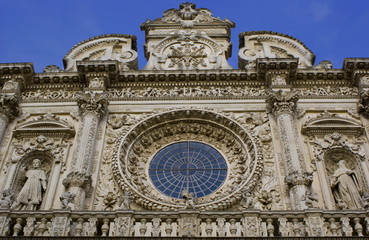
{"x":119,"y":47}
{"x":282,"y":102}
{"x":266,"y":44}
{"x":188,"y":50}
{"x":133,"y":155}
{"x":92,"y":103}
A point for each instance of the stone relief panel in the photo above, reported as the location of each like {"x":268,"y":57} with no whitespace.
{"x":134,"y":153}
{"x":267,"y":194}
{"x":187,"y":50}
{"x":119,"y":47}
{"x":264,"y":44}
{"x":108,"y":194}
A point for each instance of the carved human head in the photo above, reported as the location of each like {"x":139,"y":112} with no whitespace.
{"x":341,"y":163}
{"x":36,"y":163}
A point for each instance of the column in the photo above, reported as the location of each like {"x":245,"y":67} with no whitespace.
{"x":92,"y":107}
{"x":282,"y":105}
{"x":9,"y":110}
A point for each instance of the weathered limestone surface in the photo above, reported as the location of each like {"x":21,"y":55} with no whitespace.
{"x":77,"y":145}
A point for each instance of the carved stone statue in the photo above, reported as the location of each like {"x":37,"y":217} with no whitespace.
{"x":126,"y":201}
{"x":189,"y":199}
{"x":346,"y":187}
{"x":67,"y":199}
{"x":312,"y":198}
{"x":6,"y":199}
{"x":30,"y":195}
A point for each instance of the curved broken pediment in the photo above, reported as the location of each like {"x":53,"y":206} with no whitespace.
{"x":119,"y":47}
{"x":327,"y":122}
{"x":266,"y":44}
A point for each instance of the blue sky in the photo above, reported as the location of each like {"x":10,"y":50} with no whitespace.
{"x":42,"y":32}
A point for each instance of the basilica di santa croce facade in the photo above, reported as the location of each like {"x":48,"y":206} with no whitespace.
{"x":186,"y":146}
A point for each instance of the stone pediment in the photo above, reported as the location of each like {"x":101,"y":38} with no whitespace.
{"x":266,"y":44}
{"x":328,"y":123}
{"x":48,"y":125}
{"x":119,"y":47}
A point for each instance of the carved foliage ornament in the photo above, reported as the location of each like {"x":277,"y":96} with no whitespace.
{"x":282,"y":102}
{"x":133,"y":152}
{"x":188,"y":50}
{"x":92,"y":103}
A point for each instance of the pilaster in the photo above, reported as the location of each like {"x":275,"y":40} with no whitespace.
{"x":92,"y":107}
{"x":282,"y":104}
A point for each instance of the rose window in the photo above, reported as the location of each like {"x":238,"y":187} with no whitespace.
{"x":193,"y":166}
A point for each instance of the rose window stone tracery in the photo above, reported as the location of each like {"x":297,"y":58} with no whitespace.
{"x":137,"y":149}
{"x":192,"y":166}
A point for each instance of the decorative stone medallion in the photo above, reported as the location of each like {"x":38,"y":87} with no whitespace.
{"x":137,"y":149}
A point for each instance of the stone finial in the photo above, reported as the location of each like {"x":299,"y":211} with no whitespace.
{"x":92,"y":103}
{"x":9,"y":106}
{"x":282,"y":102}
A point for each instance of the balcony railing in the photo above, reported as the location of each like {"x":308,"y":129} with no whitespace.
{"x":186,"y":223}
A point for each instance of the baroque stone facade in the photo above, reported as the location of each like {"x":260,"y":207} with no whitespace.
{"x":187,"y":146}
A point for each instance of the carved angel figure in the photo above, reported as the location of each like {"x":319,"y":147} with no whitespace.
{"x":30,"y":195}
{"x":6,"y":199}
{"x":345,"y":186}
{"x":67,"y":199}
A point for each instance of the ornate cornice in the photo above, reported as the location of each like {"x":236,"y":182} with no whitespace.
{"x":92,"y":103}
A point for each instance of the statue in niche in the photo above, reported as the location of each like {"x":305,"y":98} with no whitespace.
{"x":346,"y":187}
{"x":30,"y":196}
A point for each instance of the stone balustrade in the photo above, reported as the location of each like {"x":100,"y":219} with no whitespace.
{"x":312,"y":223}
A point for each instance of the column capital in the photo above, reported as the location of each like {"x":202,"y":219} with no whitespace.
{"x":78,"y":179}
{"x":282,"y":102}
{"x":92,"y":103}
{"x":9,"y":106}
{"x":296,"y":178}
